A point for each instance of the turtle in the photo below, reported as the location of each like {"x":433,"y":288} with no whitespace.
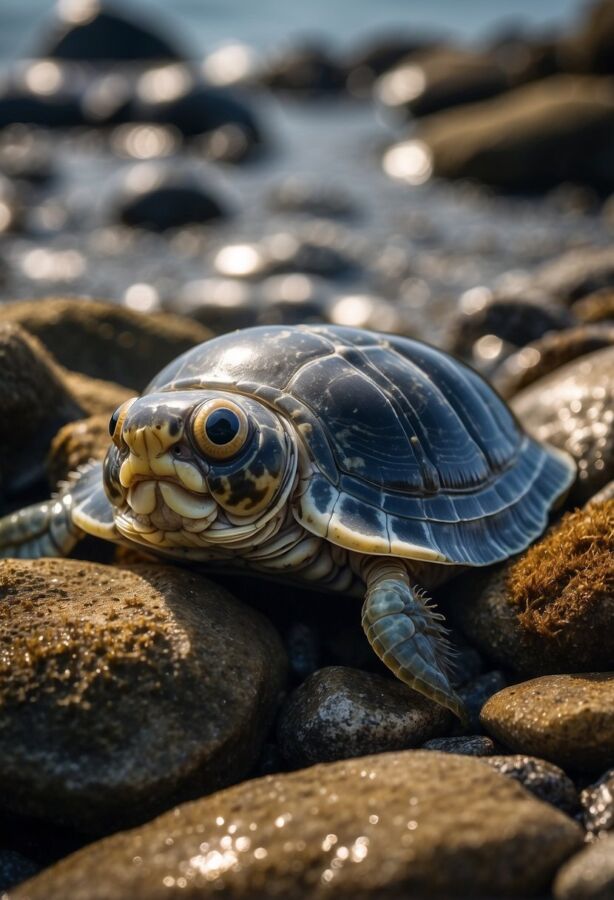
{"x":341,"y":458}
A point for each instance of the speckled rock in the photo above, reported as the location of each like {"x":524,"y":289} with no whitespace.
{"x":104,"y":340}
{"x":15,"y":868}
{"x":396,"y":825}
{"x":534,"y":137}
{"x":577,"y":273}
{"x":550,"y":610}
{"x":75,"y":444}
{"x":567,"y":719}
{"x":598,"y":805}
{"x":339,"y":713}
{"x":547,"y":781}
{"x":126,"y":690}
{"x":596,"y":307}
{"x":589,"y":875}
{"x":573,"y":408}
{"x":541,"y":357}
{"x":470,"y":745}
{"x":35,"y":402}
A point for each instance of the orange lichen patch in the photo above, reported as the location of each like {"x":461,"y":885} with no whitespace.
{"x":567,"y":574}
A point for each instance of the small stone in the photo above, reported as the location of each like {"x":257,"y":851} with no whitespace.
{"x":105,"y":340}
{"x":466,"y":745}
{"x":589,"y":875}
{"x":567,"y":719}
{"x":551,"y":609}
{"x":543,"y":356}
{"x":475,"y":693}
{"x":319,"y":200}
{"x":598,"y":805}
{"x":307,"y":69}
{"x":547,"y":781}
{"x":126,"y":690}
{"x":339,"y":713}
{"x":15,"y":868}
{"x":571,"y":409}
{"x":409,"y":824}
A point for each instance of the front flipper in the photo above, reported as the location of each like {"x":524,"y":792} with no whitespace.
{"x":407,"y":634}
{"x":54,"y":527}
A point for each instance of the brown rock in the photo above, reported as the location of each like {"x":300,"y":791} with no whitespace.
{"x":598,"y":805}
{"x":340,"y":712}
{"x":590,"y":48}
{"x":596,"y":307}
{"x":105,"y":340}
{"x":409,"y":824}
{"x":536,"y":136}
{"x":126,"y":690}
{"x":589,"y":875}
{"x":76,"y":444}
{"x":567,"y":719}
{"x":572,"y":409}
{"x":577,"y":273}
{"x":97,"y":397}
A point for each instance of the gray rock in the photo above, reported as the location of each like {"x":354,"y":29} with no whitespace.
{"x":547,"y":781}
{"x":589,"y":875}
{"x":571,"y":408}
{"x":470,"y":745}
{"x":598,"y":804}
{"x":409,"y":824}
{"x":126,"y":690}
{"x":339,"y":713}
{"x":577,"y":273}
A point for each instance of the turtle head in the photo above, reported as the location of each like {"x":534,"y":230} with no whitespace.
{"x":192,"y":469}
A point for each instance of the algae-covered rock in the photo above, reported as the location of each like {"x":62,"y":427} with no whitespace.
{"x":396,"y":825}
{"x":126,"y":690}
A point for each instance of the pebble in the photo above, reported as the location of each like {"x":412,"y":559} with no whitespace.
{"x":127,"y":690}
{"x":284,"y":253}
{"x":412,"y":823}
{"x":596,"y":307}
{"x":534,"y":137}
{"x":466,"y":745}
{"x":157,"y":198}
{"x":366,"y":62}
{"x":307,"y":69}
{"x":85,"y":31}
{"x":589,"y":875}
{"x":573,"y":409}
{"x":543,"y":356}
{"x":325,"y":201}
{"x":598,"y":805}
{"x":566,"y":719}
{"x":543,"y":779}
{"x":550,"y":610}
{"x":340,"y":712}
{"x":105,"y":340}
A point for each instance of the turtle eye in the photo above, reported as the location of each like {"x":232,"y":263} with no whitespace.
{"x":116,"y":421}
{"x":220,"y":428}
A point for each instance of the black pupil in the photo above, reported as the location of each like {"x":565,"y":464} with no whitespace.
{"x":222,"y":426}
{"x":113,"y":422}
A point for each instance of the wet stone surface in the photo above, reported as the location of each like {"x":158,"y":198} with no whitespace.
{"x":598,"y":804}
{"x":470,"y":745}
{"x":547,"y":781}
{"x":589,"y":875}
{"x":368,"y":827}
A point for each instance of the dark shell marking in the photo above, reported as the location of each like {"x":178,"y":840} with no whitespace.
{"x":413,"y":451}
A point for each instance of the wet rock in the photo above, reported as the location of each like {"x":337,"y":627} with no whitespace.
{"x":371,"y":311}
{"x":284,"y":253}
{"x":567,"y":719}
{"x":87,"y":32}
{"x":294,"y":299}
{"x":75,"y":444}
{"x":156,"y":199}
{"x":104,"y":340}
{"x":220,"y":304}
{"x":572,"y":408}
{"x":126,"y":690}
{"x":304,"y":69}
{"x":547,"y":781}
{"x":596,"y":307}
{"x":577,"y":273}
{"x":475,"y":693}
{"x":441,"y":78}
{"x":60,"y":108}
{"x":559,"y":129}
{"x":598,"y":805}
{"x":395,"y":825}
{"x":339,"y":713}
{"x":466,"y":745}
{"x":173,"y":96}
{"x":541,"y":357}
{"x":379,"y":54}
{"x":12,"y":207}
{"x":322,"y":201}
{"x":589,"y":875}
{"x":95,"y":396}
{"x":551,"y":609}
{"x":35,"y":402}
{"x":25,"y":156}
{"x":304,"y":649}
{"x":15,"y":868}
{"x":590,"y":47}
{"x":509,"y":321}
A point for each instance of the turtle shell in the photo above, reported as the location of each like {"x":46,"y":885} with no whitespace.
{"x":414,"y":454}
